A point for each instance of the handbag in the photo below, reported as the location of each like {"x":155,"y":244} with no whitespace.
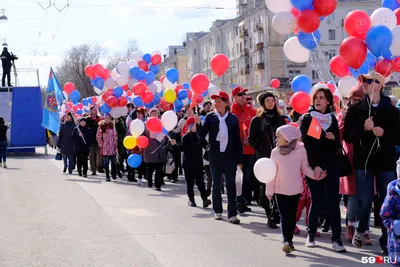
{"x":170,"y":164}
{"x":345,"y":166}
{"x":239,"y":181}
{"x":58,"y":155}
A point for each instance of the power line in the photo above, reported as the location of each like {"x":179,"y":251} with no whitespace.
{"x":41,"y":31}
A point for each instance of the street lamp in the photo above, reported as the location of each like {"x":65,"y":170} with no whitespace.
{"x":3,"y":17}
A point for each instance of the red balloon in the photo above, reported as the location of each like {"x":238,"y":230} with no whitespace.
{"x":384,"y":67}
{"x":353,"y":51}
{"x":122,"y":101}
{"x":295,"y":12}
{"x":357,"y":24}
{"x":69,"y":87}
{"x":397,"y":13}
{"x":324,"y":7}
{"x":98,"y":70}
{"x":308,"y":21}
{"x":129,"y":92}
{"x":125,"y":87}
{"x":112,"y":101}
{"x":156,"y":59}
{"x":339,"y":67}
{"x":396,"y":64}
{"x":300,"y":102}
{"x":147,"y":96}
{"x":77,"y":116}
{"x":165,"y":105}
{"x":331,"y":87}
{"x":275,"y":83}
{"x":142,"y":141}
{"x":106,"y":95}
{"x":199,"y":99}
{"x":143,"y":65}
{"x":190,"y":94}
{"x":80,"y":105}
{"x":162,"y":78}
{"x":178,"y":88}
{"x":154,"y":125}
{"x":139,"y":88}
{"x":94,"y":99}
{"x":106,"y":74}
{"x":75,"y":108}
{"x":199,"y":83}
{"x":336,"y":99}
{"x":219,"y":64}
{"x":89,"y":71}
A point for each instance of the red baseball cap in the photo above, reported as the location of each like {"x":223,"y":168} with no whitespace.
{"x":221,"y":94}
{"x":238,"y":89}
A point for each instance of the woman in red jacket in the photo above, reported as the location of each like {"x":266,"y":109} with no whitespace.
{"x":107,"y":138}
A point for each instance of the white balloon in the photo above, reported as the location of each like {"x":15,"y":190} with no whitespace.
{"x":284,"y":22}
{"x":109,"y":83}
{"x":98,"y":91}
{"x":395,"y":47}
{"x":132,"y":63}
{"x":123,"y":111}
{"x":132,"y":82}
{"x":384,"y":16}
{"x":168,"y":85}
{"x":121,"y":80}
{"x":185,"y":101}
{"x":123,"y":69}
{"x":114,"y":74}
{"x":136,"y":128}
{"x":277,"y":6}
{"x":152,"y":88}
{"x":212,"y":89}
{"x":169,"y":120}
{"x":294,"y":51}
{"x":137,"y":56}
{"x":115,"y":112}
{"x":316,"y":87}
{"x":345,"y":84}
{"x":265,"y":170}
{"x":159,"y":86}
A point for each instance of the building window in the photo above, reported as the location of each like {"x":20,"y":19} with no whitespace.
{"x":332,"y":35}
{"x":237,"y":31}
{"x":293,"y":73}
{"x":332,"y":54}
{"x":210,"y":41}
{"x":237,"y":48}
{"x":195,"y":52}
{"x":218,"y":40}
{"x":315,"y":75}
{"x":251,"y":42}
{"x":241,"y":48}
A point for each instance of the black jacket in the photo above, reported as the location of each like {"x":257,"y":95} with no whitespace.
{"x":261,"y":139}
{"x":382,"y":159}
{"x":211,"y":127}
{"x":93,"y":125}
{"x":3,"y":133}
{"x":65,"y":140}
{"x":192,"y":151}
{"x":6,"y":59}
{"x":321,"y":152}
{"x":80,"y":146}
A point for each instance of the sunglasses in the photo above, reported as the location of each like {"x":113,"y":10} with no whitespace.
{"x":369,"y":81}
{"x":241,"y":94}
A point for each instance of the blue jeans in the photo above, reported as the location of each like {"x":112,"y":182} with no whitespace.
{"x":248,"y":179}
{"x":352,"y":211}
{"x":3,"y":150}
{"x":106,"y":166}
{"x":69,"y":162}
{"x":365,"y":193}
{"x":223,"y":164}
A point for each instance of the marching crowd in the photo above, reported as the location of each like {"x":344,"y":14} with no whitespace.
{"x":320,"y":156}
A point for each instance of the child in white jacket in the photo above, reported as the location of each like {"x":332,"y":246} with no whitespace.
{"x":290,"y":156}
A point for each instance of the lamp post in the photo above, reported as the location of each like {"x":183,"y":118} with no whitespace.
{"x":3,"y":17}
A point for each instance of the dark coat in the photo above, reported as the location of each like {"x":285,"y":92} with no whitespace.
{"x":387,"y":117}
{"x":260,"y":138}
{"x":93,"y":125}
{"x":192,"y":151}
{"x":155,"y":152}
{"x":211,"y":127}
{"x":65,"y":140}
{"x":6,"y":59}
{"x":80,"y":146}
{"x":3,"y":133}
{"x":321,"y":152}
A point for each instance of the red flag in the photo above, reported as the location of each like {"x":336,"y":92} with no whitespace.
{"x":315,"y":129}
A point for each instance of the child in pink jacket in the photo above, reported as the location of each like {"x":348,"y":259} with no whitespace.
{"x":290,"y":156}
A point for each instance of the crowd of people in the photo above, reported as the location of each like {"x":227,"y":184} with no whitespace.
{"x":321,"y":156}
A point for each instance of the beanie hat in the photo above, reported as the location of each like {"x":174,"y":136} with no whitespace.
{"x":289,"y":132}
{"x":261,"y":97}
{"x":357,"y":91}
{"x":154,"y":109}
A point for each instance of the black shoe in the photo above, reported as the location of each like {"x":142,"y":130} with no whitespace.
{"x":65,"y":170}
{"x":132,"y":179}
{"x":80,"y":174}
{"x":271,"y":224}
{"x":206,"y":203}
{"x":114,"y":177}
{"x":158,"y":188}
{"x":70,"y":172}
{"x":191,"y":203}
{"x":150,"y":184}
{"x":240,"y":208}
{"x":247,"y":209}
{"x":94,"y":173}
{"x":173,"y":181}
{"x":291,"y":246}
{"x":119,"y":174}
{"x":108,"y":179}
{"x":100,"y":170}
{"x":85,"y":176}
{"x":325,"y":228}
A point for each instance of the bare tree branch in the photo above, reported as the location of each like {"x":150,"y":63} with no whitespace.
{"x":124,"y":56}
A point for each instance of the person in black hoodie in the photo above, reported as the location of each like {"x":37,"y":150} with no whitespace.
{"x":262,"y":139}
{"x":83,"y":141}
{"x":320,"y":134}
{"x":373,"y":127}
{"x":66,"y":143}
{"x":193,"y":163}
{"x":95,"y":157}
{"x":225,"y":153}
{"x":6,"y":61}
{"x":3,"y":143}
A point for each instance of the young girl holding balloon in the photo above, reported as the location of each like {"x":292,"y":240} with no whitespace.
{"x":290,"y":158}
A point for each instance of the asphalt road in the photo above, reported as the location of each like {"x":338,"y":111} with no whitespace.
{"x":52,"y":219}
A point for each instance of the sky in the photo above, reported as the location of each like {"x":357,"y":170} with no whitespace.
{"x":39,"y":32}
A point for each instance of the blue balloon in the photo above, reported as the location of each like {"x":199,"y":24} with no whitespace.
{"x":301,"y":83}
{"x":149,"y":105}
{"x":147,"y":58}
{"x":133,"y":72}
{"x":85,"y":101}
{"x":233,"y":85}
{"x":104,"y":108}
{"x":154,"y":69}
{"x":79,"y":112}
{"x":186,"y":85}
{"x":141,"y":75}
{"x":138,"y":102}
{"x":307,"y":40}
{"x":134,"y":160}
{"x":150,"y":77}
{"x":302,"y":5}
{"x":182,"y":94}
{"x":202,"y":117}
{"x":97,"y":82}
{"x":161,"y":93}
{"x":118,"y":91}
{"x":164,"y":131}
{"x":156,"y":99}
{"x":75,"y":96}
{"x":387,"y":55}
{"x":371,"y":60}
{"x":178,"y":105}
{"x":391,"y":4}
{"x":205,"y":93}
{"x":321,"y":18}
{"x":379,"y":39}
{"x":172,"y":75}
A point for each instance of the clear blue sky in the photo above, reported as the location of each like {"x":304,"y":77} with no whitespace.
{"x":40,"y":34}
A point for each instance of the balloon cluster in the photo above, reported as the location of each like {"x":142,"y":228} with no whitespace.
{"x":303,"y":18}
{"x":373,"y":43}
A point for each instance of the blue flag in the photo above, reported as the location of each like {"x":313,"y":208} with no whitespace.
{"x":54,"y":98}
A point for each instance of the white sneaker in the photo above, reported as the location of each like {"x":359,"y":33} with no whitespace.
{"x":139,"y":182}
{"x":218,"y":216}
{"x":310,"y":243}
{"x":338,"y":246}
{"x":5,"y":165}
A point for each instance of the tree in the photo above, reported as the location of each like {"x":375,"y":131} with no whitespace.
{"x":125,"y":56}
{"x":72,"y":68}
